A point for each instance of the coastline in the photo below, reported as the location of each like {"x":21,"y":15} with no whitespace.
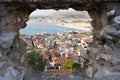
{"x":80,"y":26}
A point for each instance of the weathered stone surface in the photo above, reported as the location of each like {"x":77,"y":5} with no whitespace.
{"x":1,"y":64}
{"x":34,"y":75}
{"x":84,"y":54}
{"x":117,"y":19}
{"x":101,"y":73}
{"x":110,"y":58}
{"x":108,"y":47}
{"x":111,"y":13}
{"x":113,"y":76}
{"x":6,"y":39}
{"x":89,"y":72}
{"x":64,"y":77}
{"x":106,"y":33}
{"x":11,"y":48}
{"x":94,"y":51}
{"x":117,"y":67}
{"x":0,"y":53}
{"x":14,"y":73}
{"x":53,"y":0}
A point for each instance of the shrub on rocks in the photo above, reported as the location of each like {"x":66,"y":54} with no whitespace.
{"x":71,"y":65}
{"x":35,"y":60}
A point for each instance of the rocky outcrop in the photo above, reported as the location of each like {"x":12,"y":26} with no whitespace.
{"x":102,"y":56}
{"x":13,"y":73}
{"x":11,"y":47}
{"x":98,"y":15}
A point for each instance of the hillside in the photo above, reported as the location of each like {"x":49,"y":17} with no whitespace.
{"x":64,"y":14}
{"x":70,"y":14}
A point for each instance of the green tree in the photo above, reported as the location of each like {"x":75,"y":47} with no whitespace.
{"x":71,"y":65}
{"x":73,"y":32}
{"x":35,"y":60}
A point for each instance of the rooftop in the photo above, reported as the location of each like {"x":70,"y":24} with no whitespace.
{"x":59,"y":72}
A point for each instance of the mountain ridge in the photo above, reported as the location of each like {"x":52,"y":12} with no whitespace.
{"x":65,"y":14}
{"x":70,"y":14}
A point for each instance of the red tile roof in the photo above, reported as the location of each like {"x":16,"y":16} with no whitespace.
{"x":64,"y":45}
{"x":60,"y":60}
{"x":60,"y":72}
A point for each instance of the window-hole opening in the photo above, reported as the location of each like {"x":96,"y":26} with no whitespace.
{"x":60,"y":35}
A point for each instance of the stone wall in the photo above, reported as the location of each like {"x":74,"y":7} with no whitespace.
{"x":102,"y":56}
{"x":81,"y":1}
{"x":12,"y":18}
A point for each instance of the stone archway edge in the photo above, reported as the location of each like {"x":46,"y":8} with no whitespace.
{"x":105,"y":21}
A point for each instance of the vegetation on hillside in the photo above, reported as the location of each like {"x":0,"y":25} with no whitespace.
{"x":71,"y":65}
{"x":73,"y":32}
{"x":35,"y":60}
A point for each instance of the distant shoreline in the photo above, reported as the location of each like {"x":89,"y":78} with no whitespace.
{"x":80,"y":26}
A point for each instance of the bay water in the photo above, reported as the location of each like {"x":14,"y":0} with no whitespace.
{"x":35,"y":28}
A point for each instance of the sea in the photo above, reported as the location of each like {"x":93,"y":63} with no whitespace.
{"x":49,"y":28}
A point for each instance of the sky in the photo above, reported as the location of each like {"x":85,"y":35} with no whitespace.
{"x":46,"y":12}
